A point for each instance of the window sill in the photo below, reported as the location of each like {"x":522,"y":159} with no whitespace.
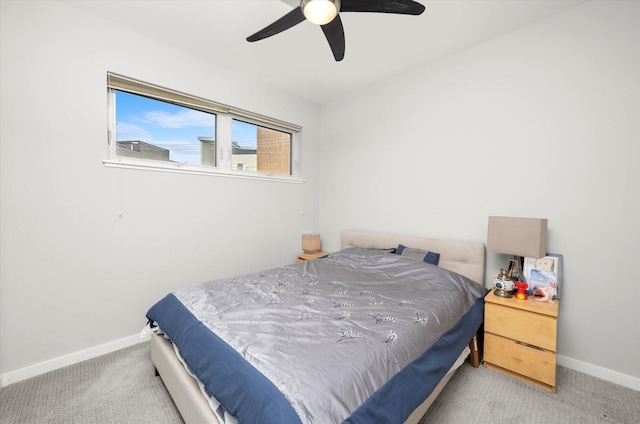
{"x":196,"y":170}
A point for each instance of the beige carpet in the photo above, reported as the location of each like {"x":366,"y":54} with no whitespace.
{"x":121,"y":388}
{"x":483,"y":396}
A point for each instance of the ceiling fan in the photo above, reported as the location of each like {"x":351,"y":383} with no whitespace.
{"x":326,"y":14}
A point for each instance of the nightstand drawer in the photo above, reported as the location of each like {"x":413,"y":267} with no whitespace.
{"x":520,"y":358}
{"x":511,"y":322}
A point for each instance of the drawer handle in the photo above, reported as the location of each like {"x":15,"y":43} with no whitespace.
{"x":530,"y":345}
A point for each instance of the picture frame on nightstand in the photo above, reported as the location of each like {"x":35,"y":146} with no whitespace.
{"x":539,"y":272}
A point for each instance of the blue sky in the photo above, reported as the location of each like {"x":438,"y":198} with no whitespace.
{"x":172,"y":127}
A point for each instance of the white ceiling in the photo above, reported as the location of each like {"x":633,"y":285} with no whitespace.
{"x":299,"y":60}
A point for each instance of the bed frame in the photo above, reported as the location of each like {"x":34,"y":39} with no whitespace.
{"x":466,"y":258}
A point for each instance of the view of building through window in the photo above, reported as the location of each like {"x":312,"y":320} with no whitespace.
{"x":264,"y":150}
{"x":153,"y":129}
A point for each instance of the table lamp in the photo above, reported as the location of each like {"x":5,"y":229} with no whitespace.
{"x":518,"y":237}
{"x":310,"y":242}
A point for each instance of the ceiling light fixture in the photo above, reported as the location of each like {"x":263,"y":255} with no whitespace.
{"x":320,"y":12}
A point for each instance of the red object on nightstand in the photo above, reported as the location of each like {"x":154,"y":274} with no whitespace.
{"x":522,"y":289}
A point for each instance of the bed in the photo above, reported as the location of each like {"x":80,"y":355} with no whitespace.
{"x":330,"y":340}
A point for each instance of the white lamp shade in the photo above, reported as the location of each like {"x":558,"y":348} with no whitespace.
{"x":311,"y":242}
{"x":517,"y":236}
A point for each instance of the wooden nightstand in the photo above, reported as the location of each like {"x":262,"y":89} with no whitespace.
{"x":520,"y":339}
{"x":310,"y":256}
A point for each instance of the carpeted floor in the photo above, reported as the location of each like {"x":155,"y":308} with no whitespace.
{"x":121,"y":388}
{"x":483,"y":396}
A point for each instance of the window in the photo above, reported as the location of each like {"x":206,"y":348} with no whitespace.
{"x":152,"y":127}
{"x":147,"y":128}
{"x":259,"y":148}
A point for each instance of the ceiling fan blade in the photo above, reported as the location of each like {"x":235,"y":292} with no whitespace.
{"x":287,"y":21}
{"x":335,"y":36}
{"x":404,"y":7}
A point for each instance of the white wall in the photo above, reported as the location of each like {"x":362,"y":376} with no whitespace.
{"x":74,"y":275}
{"x":542,"y":122}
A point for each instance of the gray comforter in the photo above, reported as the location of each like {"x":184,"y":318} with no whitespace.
{"x":330,"y":332}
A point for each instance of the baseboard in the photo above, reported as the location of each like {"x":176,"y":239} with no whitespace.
{"x":83,"y":355}
{"x":66,"y":360}
{"x":600,"y":372}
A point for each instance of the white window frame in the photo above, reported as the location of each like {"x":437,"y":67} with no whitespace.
{"x":224,"y":116}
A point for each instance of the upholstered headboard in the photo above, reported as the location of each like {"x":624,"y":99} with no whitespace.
{"x":466,"y":258}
